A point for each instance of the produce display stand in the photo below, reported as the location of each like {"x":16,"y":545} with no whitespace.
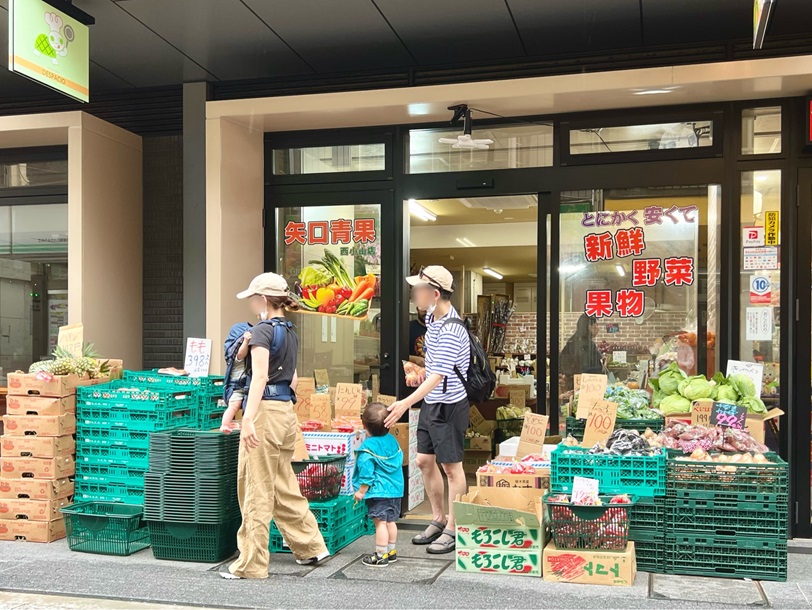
{"x":575,"y":427}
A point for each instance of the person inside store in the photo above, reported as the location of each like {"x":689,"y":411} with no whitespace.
{"x":445,"y":412}
{"x":580,"y":354}
{"x":266,"y":485}
{"x":417,"y":336}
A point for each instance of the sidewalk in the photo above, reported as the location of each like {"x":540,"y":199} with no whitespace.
{"x":416,"y":581}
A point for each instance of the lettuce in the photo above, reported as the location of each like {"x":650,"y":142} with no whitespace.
{"x":726,"y":393}
{"x":753,"y":404}
{"x":670,"y":377}
{"x":743,"y":384}
{"x":675,"y":404}
{"x":695,"y":388}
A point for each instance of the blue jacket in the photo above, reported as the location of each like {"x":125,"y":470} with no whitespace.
{"x":380,"y":465}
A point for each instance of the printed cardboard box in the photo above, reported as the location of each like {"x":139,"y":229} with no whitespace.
{"x":539,"y":480}
{"x":756,"y":421}
{"x":40,"y":405}
{"x":37,"y":446}
{"x":32,"y":531}
{"x":34,"y":384}
{"x":591,"y":567}
{"x":492,"y":561}
{"x":37,"y":468}
{"x":39,"y":425}
{"x":401,"y":434}
{"x":479,"y":443}
{"x":337,"y":443}
{"x":501,"y":519}
{"x":36,"y":489}
{"x":472,"y":460}
{"x":416,"y":490}
{"x":34,"y":510}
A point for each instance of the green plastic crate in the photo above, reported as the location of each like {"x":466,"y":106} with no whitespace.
{"x":134,"y":457}
{"x":731,"y":482}
{"x":184,"y":499}
{"x":336,"y":541}
{"x":198,"y":542}
{"x":129,"y":496}
{"x":320,"y":476}
{"x":647,"y":516}
{"x":618,"y":474}
{"x":650,"y":551}
{"x":85,"y":471}
{"x":211,"y":385}
{"x":136,"y":418}
{"x":589,"y":527}
{"x":111,"y":436}
{"x":754,"y":558}
{"x":334,"y":514}
{"x":106,"y":528}
{"x":576,"y":427}
{"x":110,"y":491}
{"x":129,"y":395}
{"x":721,"y":518}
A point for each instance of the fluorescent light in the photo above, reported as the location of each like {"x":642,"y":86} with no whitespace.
{"x":620,"y":270}
{"x":464,"y":241}
{"x":420,"y":212}
{"x":492,"y":273}
{"x":653,"y":92}
{"x":762,"y":178}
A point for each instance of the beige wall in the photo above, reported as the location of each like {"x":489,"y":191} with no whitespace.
{"x":104,"y":224}
{"x":234,"y":235}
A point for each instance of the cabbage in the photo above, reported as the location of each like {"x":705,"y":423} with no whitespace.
{"x":753,"y":404}
{"x":743,"y":384}
{"x":670,"y":377}
{"x":313,"y":276}
{"x":695,"y":388}
{"x":675,"y":404}
{"x":657,"y":398}
{"x":726,"y":393}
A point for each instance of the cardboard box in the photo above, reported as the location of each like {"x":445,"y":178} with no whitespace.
{"x":500,"y":519}
{"x":416,"y":491}
{"x":338,"y":443}
{"x":756,"y":421}
{"x":479,"y":443}
{"x":33,"y":510}
{"x":539,"y":480}
{"x":40,"y":405}
{"x":32,"y":531}
{"x":37,"y":446}
{"x":36,"y":489}
{"x":590,"y":567}
{"x":37,"y":468}
{"x":57,"y":386}
{"x":39,"y":425}
{"x":401,"y":434}
{"x":490,"y":561}
{"x":472,"y":460}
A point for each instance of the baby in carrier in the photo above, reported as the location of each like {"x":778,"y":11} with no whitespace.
{"x":234,"y":392}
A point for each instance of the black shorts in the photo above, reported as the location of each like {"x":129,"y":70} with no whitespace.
{"x":385,"y":509}
{"x":441,"y":430}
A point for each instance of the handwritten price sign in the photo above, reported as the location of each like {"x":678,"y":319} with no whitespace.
{"x":71,"y":339}
{"x":304,"y":390}
{"x":320,"y":409}
{"x":729,"y":416}
{"x":593,"y":387}
{"x":534,"y":431}
{"x":350,"y":399}
{"x":600,"y":423}
{"x":701,"y":413}
{"x":198,"y":357}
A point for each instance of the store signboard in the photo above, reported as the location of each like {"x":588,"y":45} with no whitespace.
{"x":49,"y":46}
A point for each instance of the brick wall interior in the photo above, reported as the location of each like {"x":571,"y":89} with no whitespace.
{"x":163,"y":251}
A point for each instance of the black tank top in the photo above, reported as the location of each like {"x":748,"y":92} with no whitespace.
{"x":283,"y":352}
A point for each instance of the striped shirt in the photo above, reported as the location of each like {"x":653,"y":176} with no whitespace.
{"x":445,"y":347}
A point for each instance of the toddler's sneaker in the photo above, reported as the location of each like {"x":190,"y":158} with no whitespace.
{"x":375,"y":561}
{"x":392,"y":556}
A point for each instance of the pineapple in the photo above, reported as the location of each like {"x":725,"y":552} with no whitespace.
{"x":44,"y":365}
{"x":87,"y":364}
{"x":63,"y":366}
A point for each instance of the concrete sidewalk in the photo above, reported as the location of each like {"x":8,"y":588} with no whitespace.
{"x":416,"y":581}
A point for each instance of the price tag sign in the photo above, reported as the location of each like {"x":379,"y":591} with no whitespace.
{"x":584,"y":490}
{"x":322,"y":378}
{"x":518,"y":398}
{"x":753,"y":370}
{"x":304,"y":390}
{"x":601,"y":422}
{"x":198,"y":357}
{"x":534,"y":431}
{"x":701,"y":413}
{"x":350,"y":399}
{"x":320,"y":409}
{"x":72,"y":339}
{"x":593,"y":388}
{"x":386,"y":400}
{"x":728,"y":416}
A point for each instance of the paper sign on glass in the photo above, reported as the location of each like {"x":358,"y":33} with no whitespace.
{"x":198,"y":357}
{"x":350,"y":399}
{"x":71,"y":339}
{"x":759,"y":324}
{"x":600,"y":423}
{"x":593,"y":388}
{"x":753,"y":370}
{"x":584,"y":490}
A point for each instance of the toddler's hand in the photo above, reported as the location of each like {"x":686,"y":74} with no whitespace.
{"x":359,"y":495}
{"x":247,"y":335}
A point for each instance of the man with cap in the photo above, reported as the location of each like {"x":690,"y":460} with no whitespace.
{"x":445,"y":411}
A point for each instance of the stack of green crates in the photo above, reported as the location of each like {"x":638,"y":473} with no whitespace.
{"x":647,"y":528}
{"x":190,"y":496}
{"x":208,"y":390}
{"x":342,"y":521}
{"x":727,"y":520}
{"x":575,"y":427}
{"x":114,"y":422}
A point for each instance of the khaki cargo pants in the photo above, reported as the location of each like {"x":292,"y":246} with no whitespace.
{"x":268,"y":489}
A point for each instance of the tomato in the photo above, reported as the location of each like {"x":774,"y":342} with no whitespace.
{"x":621,"y":499}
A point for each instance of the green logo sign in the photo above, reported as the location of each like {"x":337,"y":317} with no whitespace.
{"x":49,"y":47}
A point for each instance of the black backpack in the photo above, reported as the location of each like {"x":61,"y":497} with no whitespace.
{"x":481,"y":379}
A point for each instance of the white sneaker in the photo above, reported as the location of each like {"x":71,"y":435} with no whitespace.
{"x":229,"y":576}
{"x":314,"y":561}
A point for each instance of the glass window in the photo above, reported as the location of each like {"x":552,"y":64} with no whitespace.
{"x":635,"y":282}
{"x":660,"y":136}
{"x":510,"y":147}
{"x":34,"y":173}
{"x":761,"y":130}
{"x":760,"y":269}
{"x":330,"y":253}
{"x":329,"y":159}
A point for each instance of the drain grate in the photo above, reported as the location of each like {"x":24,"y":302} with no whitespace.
{"x":405,"y":571}
{"x":716,"y":591}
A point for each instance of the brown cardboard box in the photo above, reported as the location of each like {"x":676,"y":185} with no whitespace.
{"x":755,"y":423}
{"x":32,"y":531}
{"x":36,"y":489}
{"x":37,"y":468}
{"x":39,"y":425}
{"x":32,"y":384}
{"x":40,"y":405}
{"x":37,"y":446}
{"x":539,"y":480}
{"x":479,"y":443}
{"x":472,"y":460}
{"x":591,"y":567}
{"x":401,"y":433}
{"x":33,"y":510}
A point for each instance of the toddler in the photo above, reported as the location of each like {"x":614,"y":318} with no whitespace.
{"x":236,"y":351}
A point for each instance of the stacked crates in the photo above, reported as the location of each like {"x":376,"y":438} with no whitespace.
{"x":190,"y":496}
{"x":727,"y":519}
{"x":114,"y":423}
{"x":576,"y":427}
{"x":647,"y":528}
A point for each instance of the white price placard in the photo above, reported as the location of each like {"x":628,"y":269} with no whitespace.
{"x":198,"y":357}
{"x":584,"y":490}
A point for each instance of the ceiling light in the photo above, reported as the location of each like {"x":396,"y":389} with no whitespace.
{"x":620,"y":270}
{"x":464,"y":241}
{"x":762,"y":178}
{"x":420,"y":212}
{"x":492,"y":273}
{"x":653,"y":91}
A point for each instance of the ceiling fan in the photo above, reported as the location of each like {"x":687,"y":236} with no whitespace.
{"x":465,"y":140}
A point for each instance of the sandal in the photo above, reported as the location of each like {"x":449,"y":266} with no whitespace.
{"x":427,"y":537}
{"x":446,"y":543}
